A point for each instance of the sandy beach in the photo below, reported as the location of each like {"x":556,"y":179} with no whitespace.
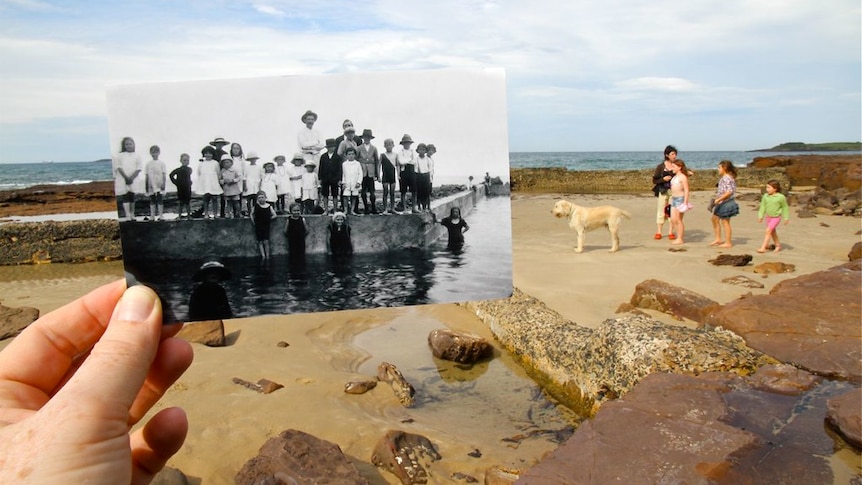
{"x":459,"y":410}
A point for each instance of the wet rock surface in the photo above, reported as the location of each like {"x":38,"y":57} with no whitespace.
{"x":459,"y":347}
{"x":406,"y":455}
{"x":403,"y":390}
{"x":13,"y":320}
{"x":295,"y":457}
{"x":712,"y":428}
{"x":586,"y":367}
{"x":843,"y":413}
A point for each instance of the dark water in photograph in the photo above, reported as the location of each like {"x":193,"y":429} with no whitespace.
{"x":481,"y":270}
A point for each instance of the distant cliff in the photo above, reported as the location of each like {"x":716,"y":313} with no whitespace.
{"x":796,"y":146}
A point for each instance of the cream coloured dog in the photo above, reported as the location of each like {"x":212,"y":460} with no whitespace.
{"x":583,"y":219}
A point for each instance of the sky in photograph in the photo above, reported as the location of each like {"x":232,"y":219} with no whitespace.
{"x":580,"y":75}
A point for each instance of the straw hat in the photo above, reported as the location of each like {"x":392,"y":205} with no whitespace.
{"x":309,"y":112}
{"x":212,"y":268}
{"x":405,"y":139}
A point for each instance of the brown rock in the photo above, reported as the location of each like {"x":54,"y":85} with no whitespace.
{"x":811,"y":321}
{"x":404,"y":391}
{"x":827,"y":171}
{"x":844,"y":413}
{"x":208,"y":332}
{"x":783,"y":379}
{"x":501,"y":476}
{"x":774,"y":267}
{"x":673,"y":300}
{"x":14,"y":320}
{"x":459,"y":347}
{"x":855,"y":252}
{"x":731,"y":259}
{"x":170,"y":476}
{"x":404,"y":455}
{"x":359,"y":387}
{"x":60,"y":242}
{"x":295,"y":457}
{"x":742,"y":281}
{"x":263,"y":386}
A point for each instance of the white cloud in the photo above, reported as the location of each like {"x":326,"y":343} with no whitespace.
{"x":269,"y":10}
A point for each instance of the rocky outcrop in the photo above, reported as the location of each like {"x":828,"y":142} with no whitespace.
{"x":561,"y":180}
{"x":586,"y":367}
{"x":731,"y":259}
{"x":827,"y":171}
{"x":297,"y":457}
{"x":711,"y":428}
{"x":811,"y":321}
{"x":459,"y":347}
{"x":59,"y":242}
{"x":14,"y":320}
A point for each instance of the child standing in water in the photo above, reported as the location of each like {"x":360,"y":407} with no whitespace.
{"x":773,"y":205}
{"x":456,"y":227}
{"x":338,"y":242}
{"x":296,"y":232}
{"x":261,"y":217}
{"x":156,"y":179}
{"x":182,"y":178}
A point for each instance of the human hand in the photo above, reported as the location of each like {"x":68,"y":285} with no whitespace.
{"x":74,"y":382}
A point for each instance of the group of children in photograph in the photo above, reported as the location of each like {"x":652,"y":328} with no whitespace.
{"x":324,"y":177}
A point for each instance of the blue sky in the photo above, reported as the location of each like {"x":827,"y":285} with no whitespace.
{"x":581,"y":75}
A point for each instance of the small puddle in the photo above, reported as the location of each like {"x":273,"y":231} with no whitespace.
{"x":492,"y":406}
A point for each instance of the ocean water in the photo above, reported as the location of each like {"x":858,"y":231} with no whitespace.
{"x":20,"y":175}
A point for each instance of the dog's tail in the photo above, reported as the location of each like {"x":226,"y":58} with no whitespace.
{"x":626,"y":214}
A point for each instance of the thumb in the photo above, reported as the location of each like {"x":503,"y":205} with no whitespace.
{"x":114,"y":371}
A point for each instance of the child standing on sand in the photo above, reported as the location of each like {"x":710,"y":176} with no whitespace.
{"x":351,"y":181}
{"x":182,"y":178}
{"x":261,"y":218}
{"x":156,"y":180}
{"x":679,"y":193}
{"x":773,"y":205}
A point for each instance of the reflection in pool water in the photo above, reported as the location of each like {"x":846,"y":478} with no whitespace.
{"x":482,"y":269}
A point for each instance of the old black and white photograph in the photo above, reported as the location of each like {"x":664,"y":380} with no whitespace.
{"x":298,"y":194}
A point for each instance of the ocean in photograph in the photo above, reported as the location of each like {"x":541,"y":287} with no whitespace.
{"x":20,"y":175}
{"x":481,"y":270}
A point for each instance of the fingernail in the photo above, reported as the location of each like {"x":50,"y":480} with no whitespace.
{"x":136,"y":305}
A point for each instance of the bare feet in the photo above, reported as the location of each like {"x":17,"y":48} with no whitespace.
{"x":761,"y":250}
{"x":716,"y":242}
{"x":777,"y":248}
{"x":678,"y":242}
{"x":726,"y":245}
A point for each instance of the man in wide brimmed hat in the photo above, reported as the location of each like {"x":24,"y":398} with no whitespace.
{"x":309,"y":139}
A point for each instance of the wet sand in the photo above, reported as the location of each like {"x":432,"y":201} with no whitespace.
{"x":459,"y":410}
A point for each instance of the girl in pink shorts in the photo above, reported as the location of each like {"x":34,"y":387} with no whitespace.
{"x":773,"y":206}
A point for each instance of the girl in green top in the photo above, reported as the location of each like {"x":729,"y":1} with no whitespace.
{"x":773,"y":205}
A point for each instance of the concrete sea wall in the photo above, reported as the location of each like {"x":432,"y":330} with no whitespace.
{"x":220,"y":238}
